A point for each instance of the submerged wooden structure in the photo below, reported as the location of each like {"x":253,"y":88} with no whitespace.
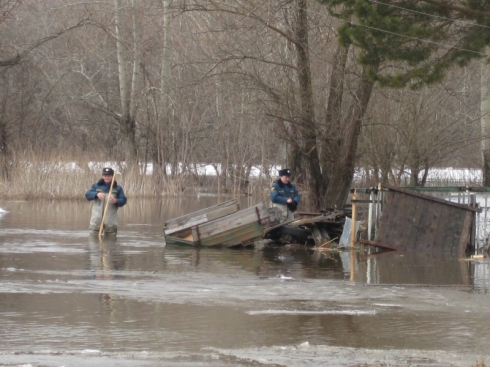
{"x":223,"y":224}
{"x":181,"y":227}
{"x":405,"y":219}
{"x":415,"y":221}
{"x":226,"y":225}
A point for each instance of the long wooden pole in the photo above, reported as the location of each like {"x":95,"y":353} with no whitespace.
{"x":106,"y":206}
{"x":353,"y":223}
{"x":353,"y":237}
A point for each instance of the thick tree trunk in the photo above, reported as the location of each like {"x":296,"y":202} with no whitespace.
{"x":333,"y":138}
{"x":414,"y":176}
{"x":485,"y":122}
{"x":340,"y":178}
{"x":310,"y":167}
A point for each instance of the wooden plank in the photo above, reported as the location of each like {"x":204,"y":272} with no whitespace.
{"x":203,"y":218}
{"x":402,"y":220}
{"x":386,"y":232}
{"x":234,"y":236}
{"x":181,"y":234}
{"x":308,"y":213}
{"x":318,"y":219}
{"x":381,"y":245}
{"x":465,"y":234}
{"x":431,"y":198}
{"x":461,"y":227}
{"x":449,"y":188}
{"x":229,"y":222}
{"x":179,"y":221}
{"x":422,"y":222}
{"x":417,"y":224}
{"x":426,"y":228}
{"x":449,"y":229}
{"x":171,"y":240}
{"x":384,"y":225}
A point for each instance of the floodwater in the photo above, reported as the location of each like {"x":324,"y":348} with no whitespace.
{"x":68,"y":299}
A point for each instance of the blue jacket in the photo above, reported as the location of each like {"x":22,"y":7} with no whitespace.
{"x":280,"y":192}
{"x":101,"y":186}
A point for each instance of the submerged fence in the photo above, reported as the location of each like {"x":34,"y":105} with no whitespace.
{"x":370,"y":202}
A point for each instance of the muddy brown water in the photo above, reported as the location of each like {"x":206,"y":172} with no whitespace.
{"x":62,"y":291}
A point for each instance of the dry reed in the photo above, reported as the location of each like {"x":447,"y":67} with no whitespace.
{"x":51,"y":177}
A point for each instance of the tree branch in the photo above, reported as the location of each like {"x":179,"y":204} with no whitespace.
{"x":467,"y":11}
{"x":20,"y":56}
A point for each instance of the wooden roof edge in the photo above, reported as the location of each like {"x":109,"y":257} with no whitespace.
{"x":480,"y":189}
{"x":432,"y":198}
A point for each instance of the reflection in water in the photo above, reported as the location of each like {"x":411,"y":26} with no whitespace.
{"x":409,"y":267}
{"x":481,"y":271}
{"x":106,"y":259}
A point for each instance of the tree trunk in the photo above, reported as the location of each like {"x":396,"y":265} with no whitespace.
{"x":310,"y":163}
{"x":163,"y":109}
{"x":485,"y":122}
{"x":341,"y":176}
{"x":127,"y":83}
{"x":4,"y":152}
{"x":334,"y":136}
{"x":4,"y":146}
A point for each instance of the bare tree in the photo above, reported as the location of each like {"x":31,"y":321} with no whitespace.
{"x":415,"y":131}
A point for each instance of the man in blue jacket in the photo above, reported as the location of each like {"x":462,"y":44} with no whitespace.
{"x":99,"y":193}
{"x":284,"y":195}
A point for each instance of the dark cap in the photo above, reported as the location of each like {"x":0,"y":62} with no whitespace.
{"x":107,"y":171}
{"x":285,"y":172}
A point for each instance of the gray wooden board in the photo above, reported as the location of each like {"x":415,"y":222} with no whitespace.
{"x":180,"y":221}
{"x":234,"y":236}
{"x":203,"y":218}
{"x":172,"y":240}
{"x":422,"y":223}
{"x":229,"y":222}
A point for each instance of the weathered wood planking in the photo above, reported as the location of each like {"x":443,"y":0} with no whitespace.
{"x":173,"y":240}
{"x":181,"y":226}
{"x":328,"y":218}
{"x":381,"y":245}
{"x":243,"y":217}
{"x":234,"y":236}
{"x":422,"y":222}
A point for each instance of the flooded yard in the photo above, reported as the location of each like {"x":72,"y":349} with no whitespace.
{"x":68,"y":299}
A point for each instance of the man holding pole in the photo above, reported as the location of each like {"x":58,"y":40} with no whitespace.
{"x":107,"y":197}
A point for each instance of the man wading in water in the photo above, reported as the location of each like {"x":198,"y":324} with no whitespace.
{"x":98,"y":193}
{"x":284,"y":195}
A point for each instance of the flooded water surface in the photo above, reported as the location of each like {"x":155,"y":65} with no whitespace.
{"x":63,"y":292}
